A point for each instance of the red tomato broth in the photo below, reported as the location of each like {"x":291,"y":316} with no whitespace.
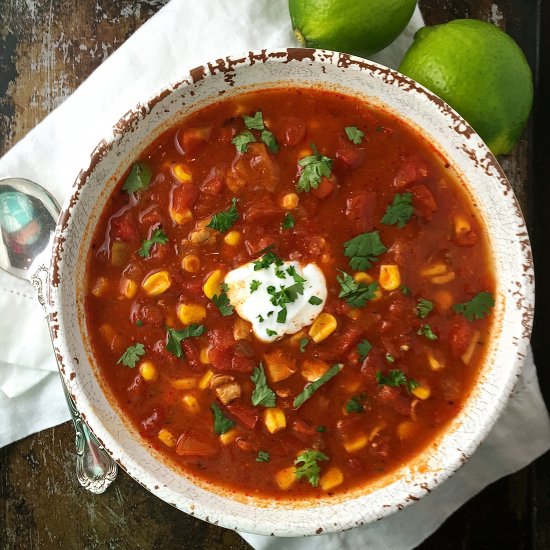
{"x":392,"y":158}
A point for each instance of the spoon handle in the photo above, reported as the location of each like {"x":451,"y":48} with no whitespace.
{"x":95,"y":468}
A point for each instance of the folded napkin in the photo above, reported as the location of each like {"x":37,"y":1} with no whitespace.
{"x":52,"y":154}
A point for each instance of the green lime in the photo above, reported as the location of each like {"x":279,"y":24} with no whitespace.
{"x":360,"y":27}
{"x":481,"y":72}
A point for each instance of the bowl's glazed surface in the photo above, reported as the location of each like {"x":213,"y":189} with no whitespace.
{"x":490,"y":193}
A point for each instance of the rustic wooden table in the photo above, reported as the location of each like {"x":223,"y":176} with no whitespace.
{"x":47,"y":48}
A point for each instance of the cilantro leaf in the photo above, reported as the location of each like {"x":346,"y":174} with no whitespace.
{"x":307,"y":466}
{"x":254,"y":285}
{"x":303,"y":344}
{"x":314,"y":168}
{"x":262,"y":394}
{"x":176,"y":337}
{"x":354,"y":405}
{"x":426,"y":330}
{"x":241,"y":141}
{"x":285,"y":295}
{"x":396,"y":378}
{"x":312,"y":387}
{"x":315,"y":301}
{"x":354,"y":134}
{"x":321,"y":429}
{"x":356,"y":294}
{"x":266,"y":260}
{"x":157,"y":237}
{"x":288,"y":222}
{"x":389,"y":358}
{"x":222,"y":221}
{"x":269,"y":139}
{"x":222,"y":302}
{"x":364,"y":250}
{"x":139,"y":178}
{"x":399,"y":212}
{"x":405,"y":290}
{"x":424,"y":308}
{"x":263,"y":456}
{"x":281,"y":316}
{"x":255,"y":122}
{"x":131,"y":356}
{"x":363,"y":349}
{"x":222,"y":424}
{"x":270,"y":332}
{"x":477,"y":307}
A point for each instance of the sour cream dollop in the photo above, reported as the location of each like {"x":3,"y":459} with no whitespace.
{"x":260,"y":294}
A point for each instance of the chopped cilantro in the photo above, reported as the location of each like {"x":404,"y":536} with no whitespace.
{"x":354,"y":134}
{"x":285,"y":295}
{"x":270,"y":332}
{"x":266,"y":260}
{"x":364,"y":250}
{"x":389,"y":358}
{"x":241,"y":141}
{"x":281,"y":316}
{"x":311,"y":388}
{"x":254,"y":285}
{"x":399,"y":212}
{"x":222,"y":221}
{"x":303,"y":344}
{"x":288,"y":222}
{"x":354,"y":405}
{"x":262,"y":394}
{"x":157,"y":237}
{"x":222,"y":302}
{"x":255,"y":122}
{"x":405,"y":290}
{"x":314,"y":168}
{"x":395,"y":378}
{"x":477,"y":307}
{"x":260,"y":318}
{"x":321,"y":429}
{"x":269,"y":139}
{"x":363,"y":348}
{"x":315,"y":301}
{"x":307,"y":466}
{"x":138,"y":179}
{"x":131,"y":356}
{"x":355,"y":293}
{"x":139,"y":323}
{"x":263,"y":456}
{"x":222,"y":424}
{"x":424,"y":308}
{"x":176,"y":337}
{"x":426,"y":330}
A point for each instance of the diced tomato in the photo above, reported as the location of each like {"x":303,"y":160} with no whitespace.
{"x":214,"y":182}
{"x":123,"y":228}
{"x":294,"y":129}
{"x":191,"y":446}
{"x":244,"y":414}
{"x":192,"y":289}
{"x":191,"y":354}
{"x":191,"y":139}
{"x":380,"y":447}
{"x":302,"y":428}
{"x":148,"y":314}
{"x":401,"y":317}
{"x":256,"y":245}
{"x":225,"y":134}
{"x":350,"y":425}
{"x":150,"y":216}
{"x":184,"y":196}
{"x":243,"y":364}
{"x":326,"y":187}
{"x":221,"y":338}
{"x":373,"y":363}
{"x":459,"y":336}
{"x":341,"y":342}
{"x":423,"y":201}
{"x":255,"y":169}
{"x":466,"y":238}
{"x":153,"y":422}
{"x":336,"y":306}
{"x":263,"y":212}
{"x":395,"y":398}
{"x":220,"y":359}
{"x":348,"y":155}
{"x":360,"y":211}
{"x":412,"y":170}
{"x":136,"y":390}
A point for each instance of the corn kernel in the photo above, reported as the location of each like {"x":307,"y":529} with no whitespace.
{"x":376,"y":430}
{"x":312,"y":369}
{"x":203,"y":356}
{"x":181,"y":217}
{"x":467,"y":355}
{"x":191,"y":313}
{"x":435,"y":269}
{"x":100,"y":286}
{"x":290,"y":201}
{"x":148,"y":371}
{"x":157,"y":283}
{"x":191,"y":404}
{"x":200,"y":236}
{"x":184,"y":383}
{"x":181,"y":172}
{"x":358,"y":442}
{"x":390,"y":278}
{"x":241,"y":329}
{"x":322,"y":327}
{"x":167,"y":438}
{"x":443,"y":279}
{"x":422,"y":392}
{"x":228,"y":437}
{"x":212,"y":284}
{"x":285,"y":478}
{"x":274,"y":419}
{"x":205,"y":380}
{"x":407,"y":429}
{"x":434,"y":363}
{"x":233,"y":238}
{"x":331,"y":479}
{"x":128,"y":288}
{"x":461,"y":225}
{"x":190,"y":263}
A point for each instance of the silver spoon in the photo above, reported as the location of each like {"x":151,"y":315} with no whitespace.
{"x":28,"y":216}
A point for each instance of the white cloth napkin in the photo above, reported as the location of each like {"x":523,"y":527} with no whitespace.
{"x":185,"y":33}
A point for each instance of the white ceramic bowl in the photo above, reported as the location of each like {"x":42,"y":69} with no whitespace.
{"x":490,"y":192}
